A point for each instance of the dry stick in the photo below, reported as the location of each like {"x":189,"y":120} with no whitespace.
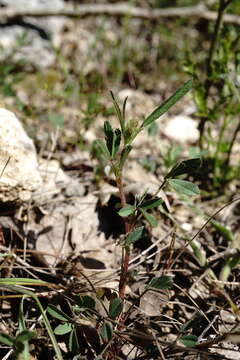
{"x":4,"y":167}
{"x":122,"y":9}
{"x":150,"y":248}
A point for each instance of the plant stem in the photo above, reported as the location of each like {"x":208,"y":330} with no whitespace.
{"x":125,"y":251}
{"x":232,"y":142}
{"x":216,"y":155}
{"x":208,"y":81}
{"x":160,"y":188}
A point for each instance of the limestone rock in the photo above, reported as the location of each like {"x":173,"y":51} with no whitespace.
{"x":18,"y":161}
{"x":34,"y":38}
{"x":182,"y":128}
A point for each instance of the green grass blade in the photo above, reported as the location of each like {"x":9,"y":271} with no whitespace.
{"x":22,"y":281}
{"x":22,"y":327}
{"x":44,"y":316}
{"x":49,"y":329}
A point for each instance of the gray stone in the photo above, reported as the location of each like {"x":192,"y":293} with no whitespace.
{"x":18,"y":161}
{"x":34,"y":41}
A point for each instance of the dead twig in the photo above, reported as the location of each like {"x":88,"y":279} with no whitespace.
{"x":120,"y":9}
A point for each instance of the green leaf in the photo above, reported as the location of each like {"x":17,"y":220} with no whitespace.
{"x":63,"y":329}
{"x":116,"y":141}
{"x":85,"y":302}
{"x":188,"y":325}
{"x":184,"y":187}
{"x":199,"y":253}
{"x":21,"y":319}
{"x":162,"y":282}
{"x":57,"y":313}
{"x":28,"y":293}
{"x":152,"y":221}
{"x":21,"y":326}
{"x":133,"y":236}
{"x":228,"y":266}
{"x":120,"y":115}
{"x":167,"y":104}
{"x":194,"y":152}
{"x":6,"y":339}
{"x":73,"y":342}
{"x":152,"y":203}
{"x":112,"y":138}
{"x":106,"y":332}
{"x":131,"y":131}
{"x":189,"y":340}
{"x":115,"y":308}
{"x":124,"y":154}
{"x":22,"y":281}
{"x":234,"y":261}
{"x":108,"y":130}
{"x":124,"y":113}
{"x":184,"y":167}
{"x":109,"y":134}
{"x":225,"y":232}
{"x":101,"y":146}
{"x":25,"y":335}
{"x":126,"y":210}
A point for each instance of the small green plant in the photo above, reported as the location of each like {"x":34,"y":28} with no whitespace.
{"x":98,"y":328}
{"x":67,"y":326}
{"x":19,"y":343}
{"x":115,"y":151}
{"x":216,"y":96}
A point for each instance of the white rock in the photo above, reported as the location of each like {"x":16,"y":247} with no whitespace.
{"x":182,"y":128}
{"x":33,"y":4}
{"x":32,"y":41}
{"x":21,"y":177}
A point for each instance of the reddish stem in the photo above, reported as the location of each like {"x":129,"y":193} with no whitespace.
{"x":125,"y":254}
{"x":123,"y":276}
